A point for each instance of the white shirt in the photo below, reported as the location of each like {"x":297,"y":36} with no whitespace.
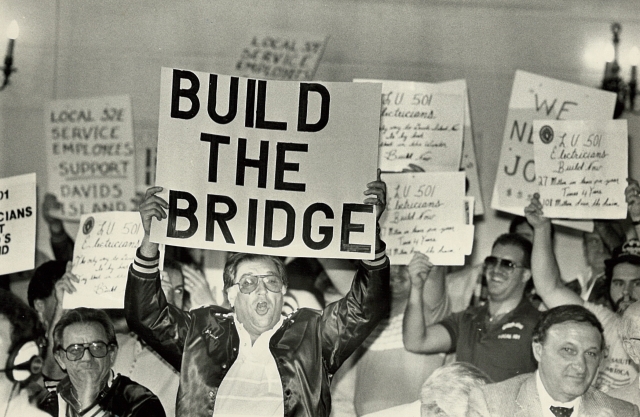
{"x":546,"y":401}
{"x":252,"y":387}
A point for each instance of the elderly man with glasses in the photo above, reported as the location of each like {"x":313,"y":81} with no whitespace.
{"x":495,"y":337}
{"x":86,"y":348}
{"x":252,"y":360}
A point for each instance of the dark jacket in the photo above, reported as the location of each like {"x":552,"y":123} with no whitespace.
{"x":308,"y":348}
{"x":124,"y":398}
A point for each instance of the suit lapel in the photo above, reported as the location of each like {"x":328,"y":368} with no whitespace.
{"x":528,"y":401}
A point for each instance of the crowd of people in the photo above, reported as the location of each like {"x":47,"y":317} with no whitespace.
{"x":320,"y":337}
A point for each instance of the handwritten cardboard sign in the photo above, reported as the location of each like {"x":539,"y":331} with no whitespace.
{"x":17,"y":223}
{"x":285,"y":56}
{"x":421,"y":126}
{"x":104,"y":248}
{"x":581,"y":168}
{"x":534,"y":97}
{"x":468,"y":163}
{"x":275,"y":167}
{"x":426,"y":213}
{"x":90,"y":154}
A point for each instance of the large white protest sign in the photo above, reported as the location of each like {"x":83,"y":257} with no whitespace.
{"x":282,"y":56}
{"x":104,"y":248}
{"x":17,"y":223}
{"x":581,"y":168}
{"x":421,"y":126}
{"x":426,"y":213}
{"x":90,"y":154}
{"x":468,"y":162}
{"x":534,"y":97}
{"x":269,"y":167}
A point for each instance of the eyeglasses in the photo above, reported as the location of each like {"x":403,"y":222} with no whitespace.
{"x":75,"y":352}
{"x":506,"y":264}
{"x":248,"y":283}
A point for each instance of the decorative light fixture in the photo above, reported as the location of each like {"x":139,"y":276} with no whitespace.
{"x":8,"y":69}
{"x":612,"y":81}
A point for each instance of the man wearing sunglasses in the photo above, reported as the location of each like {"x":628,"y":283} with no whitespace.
{"x":495,"y":337}
{"x":252,"y":360}
{"x":86,"y":348}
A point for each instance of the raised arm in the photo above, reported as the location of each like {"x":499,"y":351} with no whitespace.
{"x":418,"y":336}
{"x":148,"y":314}
{"x":434,"y":293}
{"x":346,"y":323}
{"x":544,"y":265}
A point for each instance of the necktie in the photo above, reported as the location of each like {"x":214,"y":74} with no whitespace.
{"x":561,"y":411}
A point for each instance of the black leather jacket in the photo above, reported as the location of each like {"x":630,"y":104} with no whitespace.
{"x":308,"y":348}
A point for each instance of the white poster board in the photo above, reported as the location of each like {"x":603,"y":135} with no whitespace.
{"x":426,"y":213}
{"x":581,"y":168}
{"x":90,"y":154}
{"x":17,"y":223}
{"x":281,"y":56}
{"x":468,"y":162}
{"x":280,"y":168}
{"x":104,"y":248}
{"x":534,"y":97}
{"x":421,"y":126}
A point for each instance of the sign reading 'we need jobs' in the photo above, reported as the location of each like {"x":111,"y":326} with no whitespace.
{"x":274,"y":167}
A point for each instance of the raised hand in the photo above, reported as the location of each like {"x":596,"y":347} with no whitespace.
{"x":377,"y":190}
{"x":533,"y":213}
{"x":152,"y":206}
{"x":196,"y":284}
{"x":419,"y":269}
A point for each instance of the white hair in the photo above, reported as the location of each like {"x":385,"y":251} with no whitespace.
{"x":446,"y":392}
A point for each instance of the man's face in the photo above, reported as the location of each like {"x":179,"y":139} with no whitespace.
{"x":172,"y":282}
{"x":569,"y":359}
{"x":625,"y":285}
{"x":400,"y":282}
{"x":504,"y":283}
{"x":260,"y":310}
{"x":595,"y":251}
{"x":87,"y":370}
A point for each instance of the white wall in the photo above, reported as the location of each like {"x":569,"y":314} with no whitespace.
{"x":81,"y":48}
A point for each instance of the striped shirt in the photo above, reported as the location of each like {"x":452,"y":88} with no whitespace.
{"x":253,"y":386}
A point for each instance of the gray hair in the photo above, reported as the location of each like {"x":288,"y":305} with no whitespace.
{"x":446,"y":392}
{"x":630,"y":322}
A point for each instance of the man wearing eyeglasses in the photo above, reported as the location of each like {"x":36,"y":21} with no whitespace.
{"x":86,"y":348}
{"x":495,"y":337}
{"x":251,"y":360}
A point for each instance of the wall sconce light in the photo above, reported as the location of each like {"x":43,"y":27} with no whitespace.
{"x":611,"y":81}
{"x":8,"y":69}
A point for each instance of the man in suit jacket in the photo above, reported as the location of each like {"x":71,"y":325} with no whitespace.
{"x":568,"y":345}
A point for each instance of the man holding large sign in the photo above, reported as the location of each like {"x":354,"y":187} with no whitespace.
{"x":228,"y":359}
{"x":261,"y":168}
{"x":268,"y":167}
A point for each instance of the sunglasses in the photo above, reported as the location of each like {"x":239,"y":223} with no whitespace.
{"x":76,"y":351}
{"x":506,"y":264}
{"x":248,"y":283}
